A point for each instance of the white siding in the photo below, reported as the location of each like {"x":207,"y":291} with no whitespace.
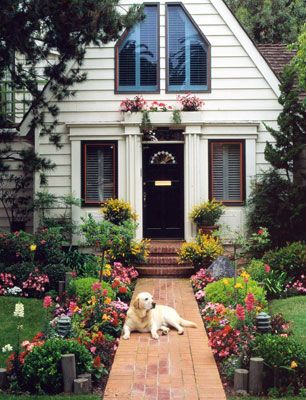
{"x":239,"y":92}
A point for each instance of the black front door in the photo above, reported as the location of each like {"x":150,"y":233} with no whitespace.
{"x":163,"y":191}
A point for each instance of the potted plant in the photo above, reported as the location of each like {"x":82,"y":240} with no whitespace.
{"x":206,"y":214}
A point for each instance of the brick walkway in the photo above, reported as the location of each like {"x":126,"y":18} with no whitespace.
{"x":172,"y":368}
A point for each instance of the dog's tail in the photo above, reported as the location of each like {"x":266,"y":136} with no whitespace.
{"x":188,"y":324}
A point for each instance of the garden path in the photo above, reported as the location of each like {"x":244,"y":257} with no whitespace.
{"x":172,"y":368}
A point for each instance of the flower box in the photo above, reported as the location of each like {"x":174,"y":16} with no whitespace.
{"x":159,"y":118}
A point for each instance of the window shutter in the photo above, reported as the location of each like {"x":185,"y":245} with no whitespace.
{"x":226,"y":171}
{"x":138,"y":55}
{"x":187,"y":52}
{"x":99,"y":173}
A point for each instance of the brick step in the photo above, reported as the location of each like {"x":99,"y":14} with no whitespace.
{"x":162,"y":260}
{"x":166,"y":271}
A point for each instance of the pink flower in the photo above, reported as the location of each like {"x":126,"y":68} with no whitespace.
{"x":47,"y":302}
{"x":72,"y":306}
{"x":260,"y":232}
{"x":249,"y":302}
{"x":96,"y":286}
{"x":240,"y":312}
{"x":267,"y":268}
{"x":93,"y":349}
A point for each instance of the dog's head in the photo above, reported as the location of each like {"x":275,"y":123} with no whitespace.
{"x":144,"y":301}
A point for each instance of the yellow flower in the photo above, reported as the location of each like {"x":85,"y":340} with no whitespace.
{"x":294,"y":364}
{"x":107,"y":300}
{"x":245,"y":275}
{"x":238,"y":286}
{"x":92,"y":301}
{"x":106,"y":317}
{"x":33,"y":247}
{"x":225,"y":281}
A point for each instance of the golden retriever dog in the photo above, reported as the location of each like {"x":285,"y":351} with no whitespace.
{"x":145,"y":316}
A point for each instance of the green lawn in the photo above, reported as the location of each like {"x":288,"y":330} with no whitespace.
{"x":265,"y":398}
{"x":293,"y":309}
{"x":59,"y":397}
{"x":33,"y":321}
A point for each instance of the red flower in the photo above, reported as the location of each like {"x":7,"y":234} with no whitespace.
{"x":122,"y":289}
{"x":97,"y":362}
{"x":249,"y":302}
{"x":267,"y":268}
{"x":240,"y":312}
{"x":260,"y":232}
{"x":47,"y":302}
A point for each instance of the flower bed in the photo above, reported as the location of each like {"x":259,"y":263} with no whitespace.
{"x":229,"y":308}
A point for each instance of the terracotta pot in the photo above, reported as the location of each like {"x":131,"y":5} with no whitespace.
{"x":208,"y":230}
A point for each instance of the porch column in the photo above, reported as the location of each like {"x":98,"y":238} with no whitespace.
{"x":133,"y":173}
{"x":193,"y":161}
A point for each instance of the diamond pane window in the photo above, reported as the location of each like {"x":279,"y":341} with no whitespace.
{"x":188,"y":52}
{"x":137,"y":57}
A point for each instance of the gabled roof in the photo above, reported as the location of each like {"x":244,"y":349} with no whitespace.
{"x":277,"y":56}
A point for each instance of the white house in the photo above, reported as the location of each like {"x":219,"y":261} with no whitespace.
{"x":193,"y":46}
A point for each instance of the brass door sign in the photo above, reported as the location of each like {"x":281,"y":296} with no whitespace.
{"x":163,"y":183}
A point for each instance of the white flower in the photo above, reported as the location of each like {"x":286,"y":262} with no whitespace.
{"x":19,"y":310}
{"x":7,"y":348}
{"x":14,"y":290}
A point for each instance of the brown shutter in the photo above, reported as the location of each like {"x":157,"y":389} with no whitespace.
{"x":226,"y":170}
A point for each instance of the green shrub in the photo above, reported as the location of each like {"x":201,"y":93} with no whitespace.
{"x":207,"y":213}
{"x":21,"y":271}
{"x":117,"y":211}
{"x":256,"y":268}
{"x":42,"y":366}
{"x":278,"y":205}
{"x":283,"y":355}
{"x":290,"y":259}
{"x":56,"y":273}
{"x":223,"y":291}
{"x":83,"y":264}
{"x":82,"y":288}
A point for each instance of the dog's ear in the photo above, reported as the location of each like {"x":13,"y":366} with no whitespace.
{"x":136,"y":304}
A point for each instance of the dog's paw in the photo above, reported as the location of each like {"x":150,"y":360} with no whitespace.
{"x":125,"y":337}
{"x":181,"y":332}
{"x":155,"y":336}
{"x":165,"y":331}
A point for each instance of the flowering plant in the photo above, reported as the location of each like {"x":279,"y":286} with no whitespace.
{"x":36,"y":284}
{"x":7,"y":281}
{"x":157,"y":106}
{"x":206,"y":213}
{"x":298,"y":286}
{"x":117,"y":211}
{"x":190,"y":102}
{"x":133,"y":105}
{"x":199,"y":282}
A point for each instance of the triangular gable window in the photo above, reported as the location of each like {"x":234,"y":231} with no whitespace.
{"x":137,"y":58}
{"x":188,"y":52}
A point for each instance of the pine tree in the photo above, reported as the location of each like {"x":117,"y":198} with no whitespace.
{"x":290,"y":138}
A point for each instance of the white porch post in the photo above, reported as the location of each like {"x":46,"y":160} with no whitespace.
{"x":133,"y":173}
{"x":192,"y":175}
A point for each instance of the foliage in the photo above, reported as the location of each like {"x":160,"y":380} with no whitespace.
{"x":199,"y":281}
{"x":176,"y":117}
{"x":82,"y":288}
{"x":55,"y":273}
{"x":285,"y":153}
{"x":45,"y":203}
{"x":284,"y":222}
{"x":284,"y":355}
{"x":21,"y":271}
{"x":299,"y":60}
{"x":228,"y":366}
{"x":82,"y":263}
{"x":271,"y":21}
{"x":200,"y":252}
{"x":42,"y":367}
{"x":279,"y":325}
{"x":227,"y":292}
{"x":258,"y":270}
{"x":298,"y":286}
{"x":36,"y":285}
{"x":207,"y":213}
{"x":290,"y":259}
{"x":275,"y":284}
{"x":117,"y":211}
{"x":190,"y":102}
{"x":133,"y":105}
{"x":257,"y":243}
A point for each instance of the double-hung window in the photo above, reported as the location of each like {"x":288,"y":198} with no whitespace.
{"x":137,"y":55}
{"x":99,"y":172}
{"x":188,"y":52}
{"x":227,"y":171}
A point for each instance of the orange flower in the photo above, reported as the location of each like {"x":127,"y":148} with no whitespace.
{"x":97,"y":362}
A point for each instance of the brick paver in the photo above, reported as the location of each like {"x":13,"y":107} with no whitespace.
{"x":172,"y":368}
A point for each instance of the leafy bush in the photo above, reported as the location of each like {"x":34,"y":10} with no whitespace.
{"x":117,"y":211}
{"x":201,"y":252}
{"x":283,"y":355}
{"x":82,"y":288}
{"x":49,"y":246}
{"x":290,"y":259}
{"x":275,"y":284}
{"x":42,"y":366}
{"x":56,"y":273}
{"x":280,"y":206}
{"x":15,"y":247}
{"x":207,"y":213}
{"x":257,"y":243}
{"x":83,"y":264}
{"x":256,"y":268}
{"x":21,"y":271}
{"x":224,"y":292}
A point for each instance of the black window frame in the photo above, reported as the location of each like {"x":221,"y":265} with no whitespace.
{"x":241,"y":201}
{"x":84,"y":145}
